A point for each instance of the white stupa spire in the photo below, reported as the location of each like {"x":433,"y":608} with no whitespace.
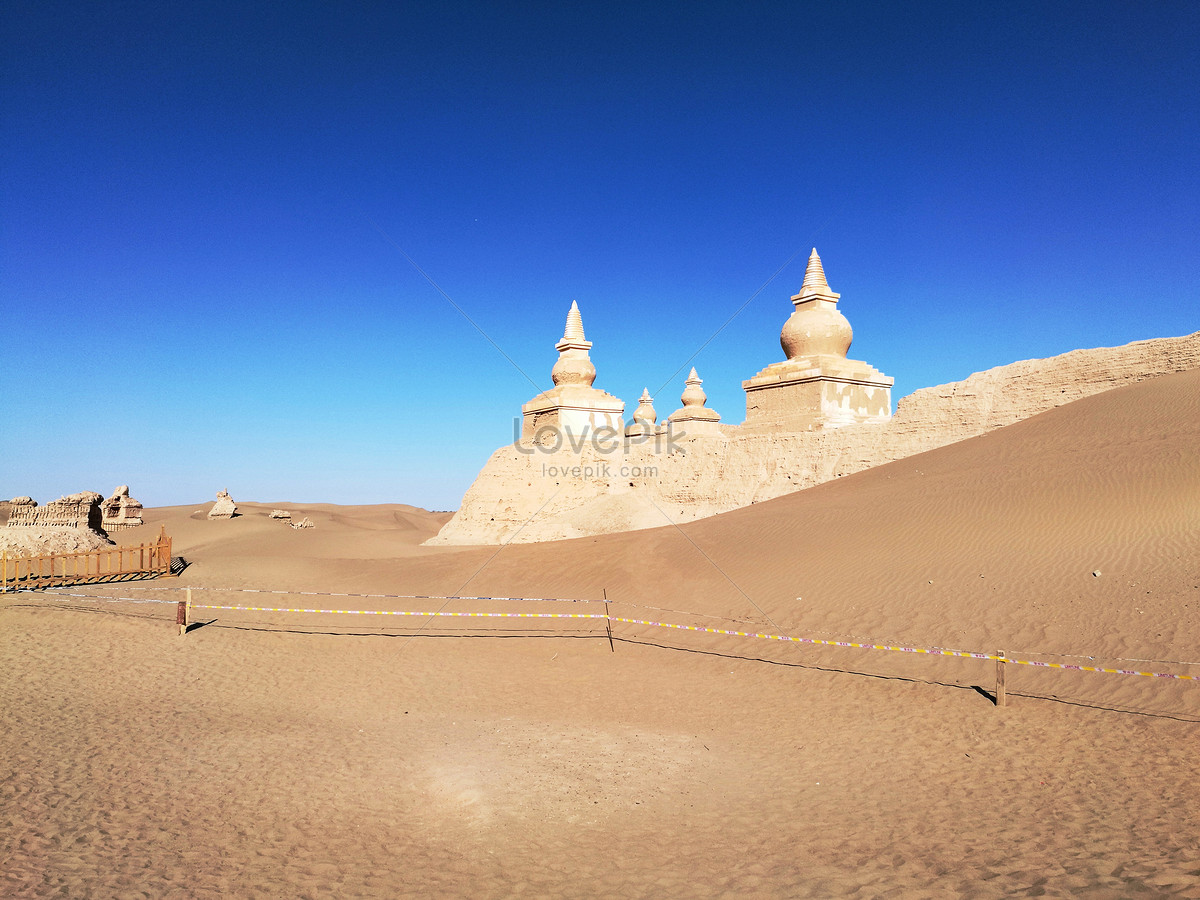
{"x":815,"y":286}
{"x":573,"y":333}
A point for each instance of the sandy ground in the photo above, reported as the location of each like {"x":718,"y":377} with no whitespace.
{"x":271,"y":754}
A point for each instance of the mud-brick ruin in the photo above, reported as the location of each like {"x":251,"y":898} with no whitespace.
{"x":76,"y":523}
{"x":120,"y":511}
{"x":224,"y":508}
{"x":80,"y":510}
{"x":813,"y":416}
{"x":69,"y":524}
{"x":85,"y":510}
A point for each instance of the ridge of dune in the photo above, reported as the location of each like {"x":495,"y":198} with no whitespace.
{"x":525,"y":494}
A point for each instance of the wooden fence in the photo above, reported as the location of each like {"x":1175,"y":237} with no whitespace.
{"x":108,"y":564}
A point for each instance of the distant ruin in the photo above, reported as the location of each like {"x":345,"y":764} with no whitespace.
{"x":578,"y":470}
{"x":224,"y":508}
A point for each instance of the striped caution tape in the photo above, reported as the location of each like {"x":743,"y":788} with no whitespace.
{"x":1075,"y":668}
{"x":863,"y":643}
{"x":398,"y":612}
{"x":368,"y":596}
{"x":57,"y":595}
{"x":697,"y":628}
{"x":624,"y":603}
{"x":931,"y":652}
{"x":401,"y":596}
{"x":725,"y":631}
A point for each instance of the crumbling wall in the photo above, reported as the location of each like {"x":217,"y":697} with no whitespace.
{"x":80,"y":510}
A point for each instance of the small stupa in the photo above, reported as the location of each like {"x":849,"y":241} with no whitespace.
{"x":644,"y":418}
{"x":694,"y":419}
{"x":572,"y":405}
{"x":816,"y":386}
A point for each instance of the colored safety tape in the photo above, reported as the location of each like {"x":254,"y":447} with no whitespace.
{"x":59,"y":594}
{"x":369,"y":596}
{"x":697,"y":628}
{"x":397,"y":612}
{"x":932,"y":652}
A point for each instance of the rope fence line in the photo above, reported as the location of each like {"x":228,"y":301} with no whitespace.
{"x":370,"y":596}
{"x":57,"y":594}
{"x":397,"y":612}
{"x":998,"y":657}
{"x":1001,"y":658}
{"x":681,"y":612}
{"x":866,"y":643}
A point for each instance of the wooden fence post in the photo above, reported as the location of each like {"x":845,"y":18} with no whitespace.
{"x":182,"y":613}
{"x":608,"y":623}
{"x":1001,"y":689}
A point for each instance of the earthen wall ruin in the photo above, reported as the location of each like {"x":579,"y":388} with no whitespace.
{"x":80,"y":510}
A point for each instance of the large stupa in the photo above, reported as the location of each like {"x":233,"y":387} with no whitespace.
{"x":816,"y":387}
{"x":572,"y":406}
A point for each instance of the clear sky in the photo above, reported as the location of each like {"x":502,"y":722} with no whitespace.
{"x":206,"y":210}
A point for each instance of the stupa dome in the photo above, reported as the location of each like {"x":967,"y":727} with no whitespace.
{"x":573,"y":365}
{"x":817,"y":327}
{"x":645,"y":413}
{"x":644,"y":417}
{"x":694,"y":398}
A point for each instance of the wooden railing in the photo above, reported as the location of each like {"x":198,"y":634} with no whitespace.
{"x":108,"y":564}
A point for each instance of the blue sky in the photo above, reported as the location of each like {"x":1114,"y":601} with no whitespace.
{"x":206,"y":211}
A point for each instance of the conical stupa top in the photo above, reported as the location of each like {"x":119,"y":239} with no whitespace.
{"x":815,"y":284}
{"x":573,"y":337}
{"x":574,"y":329}
{"x":645,"y":398}
{"x":814,"y":273}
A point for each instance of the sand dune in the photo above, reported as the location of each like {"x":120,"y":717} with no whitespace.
{"x":283,"y":755}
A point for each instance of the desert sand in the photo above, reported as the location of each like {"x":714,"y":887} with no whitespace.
{"x":272,"y":754}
